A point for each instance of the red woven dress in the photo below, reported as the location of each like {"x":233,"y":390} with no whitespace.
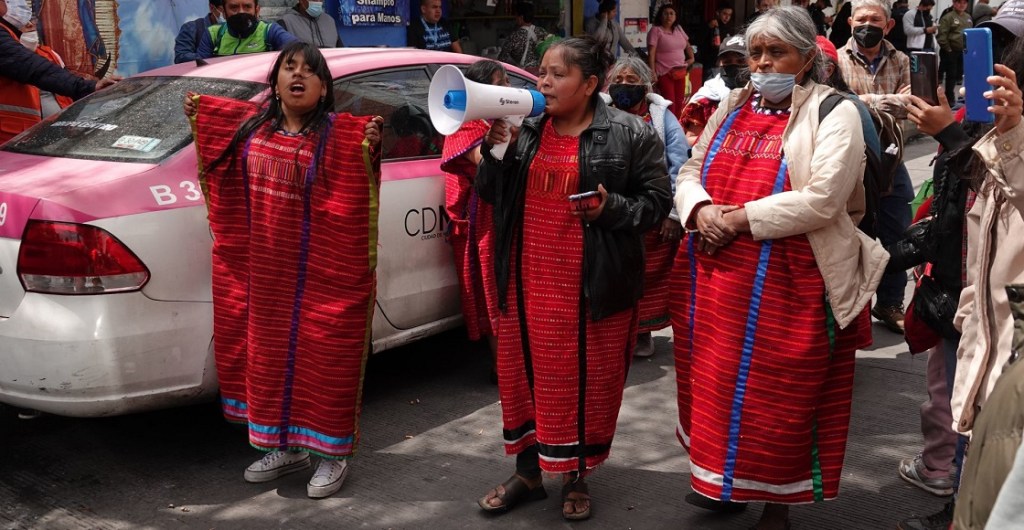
{"x":294,"y":220}
{"x":765,"y":375}
{"x":658,"y":264}
{"x":472,"y":232}
{"x":567,"y":416}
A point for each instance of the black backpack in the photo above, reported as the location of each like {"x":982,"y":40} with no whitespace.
{"x":880,"y":170}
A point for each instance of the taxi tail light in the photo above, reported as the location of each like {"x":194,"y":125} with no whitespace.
{"x":69,"y":258}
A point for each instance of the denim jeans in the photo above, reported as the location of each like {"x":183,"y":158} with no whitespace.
{"x":893,"y":219}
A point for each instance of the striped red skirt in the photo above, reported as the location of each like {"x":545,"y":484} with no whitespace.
{"x":471,"y":232}
{"x":291,"y":326}
{"x":560,"y":374}
{"x":765,"y":375}
{"x":653,"y":307}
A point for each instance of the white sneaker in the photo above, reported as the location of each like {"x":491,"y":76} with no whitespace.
{"x":327,"y":479}
{"x":276,"y":464}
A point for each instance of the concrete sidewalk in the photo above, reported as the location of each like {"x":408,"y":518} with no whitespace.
{"x":431,"y":445}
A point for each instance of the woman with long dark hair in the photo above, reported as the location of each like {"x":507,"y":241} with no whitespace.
{"x":292,"y":197}
{"x":569,"y":270}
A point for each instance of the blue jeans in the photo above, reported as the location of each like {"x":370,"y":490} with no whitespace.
{"x":893,"y":219}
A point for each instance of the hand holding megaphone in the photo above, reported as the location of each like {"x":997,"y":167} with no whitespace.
{"x":501,"y":134}
{"x":454,"y":100}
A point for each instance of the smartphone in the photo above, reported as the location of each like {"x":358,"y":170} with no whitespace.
{"x":924,"y":76}
{"x":977,"y":69}
{"x":580,"y":202}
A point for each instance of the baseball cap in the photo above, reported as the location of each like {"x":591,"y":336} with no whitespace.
{"x":735,"y":44}
{"x":828,"y":48}
{"x":1010,"y":17}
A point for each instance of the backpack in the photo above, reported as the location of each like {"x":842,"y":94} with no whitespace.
{"x":880,"y":170}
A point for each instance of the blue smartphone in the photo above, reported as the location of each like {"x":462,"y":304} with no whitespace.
{"x":977,"y":69}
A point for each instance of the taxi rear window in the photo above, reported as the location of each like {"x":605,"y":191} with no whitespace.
{"x":137,"y":120}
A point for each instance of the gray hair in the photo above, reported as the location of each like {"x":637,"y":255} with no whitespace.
{"x":637,"y":65}
{"x":881,"y":4}
{"x":792,"y":25}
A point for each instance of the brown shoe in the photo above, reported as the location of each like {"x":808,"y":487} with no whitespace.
{"x":890,"y":316}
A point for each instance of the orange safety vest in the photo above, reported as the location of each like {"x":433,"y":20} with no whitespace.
{"x":47,"y":53}
{"x":19,"y":105}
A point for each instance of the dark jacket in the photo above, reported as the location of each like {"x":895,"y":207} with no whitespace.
{"x":619,"y":151}
{"x":186,"y":44}
{"x":841,"y":31}
{"x":941,"y":242}
{"x":19,"y":64}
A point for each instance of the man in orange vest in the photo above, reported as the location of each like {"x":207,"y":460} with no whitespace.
{"x":23,"y":73}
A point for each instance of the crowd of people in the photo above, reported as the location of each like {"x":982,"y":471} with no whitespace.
{"x":792,"y":202}
{"x":758,"y":219}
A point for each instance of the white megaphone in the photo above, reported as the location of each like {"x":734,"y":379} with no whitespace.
{"x":454,"y":100}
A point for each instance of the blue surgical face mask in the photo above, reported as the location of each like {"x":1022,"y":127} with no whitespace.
{"x":315,"y":9}
{"x":774,"y":87}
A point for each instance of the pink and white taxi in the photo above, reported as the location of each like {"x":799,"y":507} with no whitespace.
{"x":105,"y":304}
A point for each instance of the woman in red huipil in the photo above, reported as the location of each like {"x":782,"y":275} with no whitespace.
{"x":292,"y":192}
{"x":470,"y":231}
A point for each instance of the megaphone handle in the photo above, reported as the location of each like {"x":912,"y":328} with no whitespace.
{"x":498,"y":150}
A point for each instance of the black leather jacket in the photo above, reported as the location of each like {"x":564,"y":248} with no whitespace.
{"x":619,"y":151}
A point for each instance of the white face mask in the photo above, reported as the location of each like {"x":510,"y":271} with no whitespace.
{"x":18,"y":13}
{"x":30,"y":40}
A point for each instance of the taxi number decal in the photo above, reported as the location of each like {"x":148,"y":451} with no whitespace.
{"x":165,"y":195}
{"x":3,"y":213}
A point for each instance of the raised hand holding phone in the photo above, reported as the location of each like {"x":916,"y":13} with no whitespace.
{"x":1007,"y":101}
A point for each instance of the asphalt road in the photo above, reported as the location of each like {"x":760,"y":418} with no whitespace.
{"x":431,"y":444}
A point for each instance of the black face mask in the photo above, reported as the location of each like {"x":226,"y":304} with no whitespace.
{"x":730,"y":75}
{"x":868,"y":36}
{"x":242,"y":24}
{"x":625,"y":96}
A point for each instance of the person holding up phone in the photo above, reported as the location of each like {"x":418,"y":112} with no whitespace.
{"x":568,"y":280}
{"x":995,"y":260}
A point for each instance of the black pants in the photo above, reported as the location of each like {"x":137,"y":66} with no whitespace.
{"x":954,"y":70}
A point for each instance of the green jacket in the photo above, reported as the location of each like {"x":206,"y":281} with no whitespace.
{"x":224,"y":43}
{"x":951,"y":31}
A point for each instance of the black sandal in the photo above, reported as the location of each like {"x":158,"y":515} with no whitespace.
{"x":577,"y":486}
{"x":517,"y":491}
{"x":714,"y":505}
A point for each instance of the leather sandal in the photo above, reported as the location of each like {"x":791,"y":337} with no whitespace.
{"x":516,"y":491}
{"x":579,"y":487}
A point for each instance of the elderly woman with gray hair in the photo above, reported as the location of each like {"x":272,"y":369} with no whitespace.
{"x":779,"y":282}
{"x":631,"y":89}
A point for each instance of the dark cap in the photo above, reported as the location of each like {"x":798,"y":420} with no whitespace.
{"x":606,"y":6}
{"x":1010,"y":17}
{"x":734,"y":44}
{"x":926,"y":3}
{"x":217,"y":3}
